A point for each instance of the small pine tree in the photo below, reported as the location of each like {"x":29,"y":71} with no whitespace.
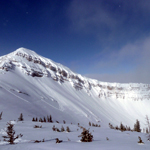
{"x":68,"y":129}
{"x":93,"y":124}
{"x":20,"y":117}
{"x":140,"y":140}
{"x":33,"y":119}
{"x":86,"y":136}
{"x":148,"y":124}
{"x":147,"y":131}
{"x":11,"y":134}
{"x":53,"y":128}
{"x":89,"y":123}
{"x":116,"y":127}
{"x":1,"y":115}
{"x":40,"y":120}
{"x":57,"y":130}
{"x":128,"y":128}
{"x":62,"y":129}
{"x":36,"y":119}
{"x":44,"y":120}
{"x":148,"y":127}
{"x":122,"y":127}
{"x":50,"y":119}
{"x":137,"y":126}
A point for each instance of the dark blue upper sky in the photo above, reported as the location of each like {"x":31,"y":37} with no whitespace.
{"x":104,"y":39}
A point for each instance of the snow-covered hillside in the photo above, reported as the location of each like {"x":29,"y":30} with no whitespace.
{"x":37,"y":87}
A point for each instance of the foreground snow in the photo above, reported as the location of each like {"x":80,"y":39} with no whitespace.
{"x":117,"y":139}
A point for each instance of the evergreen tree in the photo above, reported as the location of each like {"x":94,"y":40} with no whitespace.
{"x":44,"y":119}
{"x":1,"y":115}
{"x":89,"y":123}
{"x":137,"y":126}
{"x":68,"y":129}
{"x":50,"y":119}
{"x":10,"y":137}
{"x":122,"y":127}
{"x":36,"y":119}
{"x":33,"y":119}
{"x":148,"y":125}
{"x":86,"y":136}
{"x":54,"y":128}
{"x":20,"y":117}
{"x":40,"y":120}
{"x":62,"y":129}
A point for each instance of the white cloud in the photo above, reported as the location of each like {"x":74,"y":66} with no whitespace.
{"x":90,"y":16}
{"x":129,"y":64}
{"x":109,"y":22}
{"x":125,"y":25}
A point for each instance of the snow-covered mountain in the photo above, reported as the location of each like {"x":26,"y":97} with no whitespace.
{"x":37,"y":86}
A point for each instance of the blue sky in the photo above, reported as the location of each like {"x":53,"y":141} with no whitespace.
{"x":108,"y":40}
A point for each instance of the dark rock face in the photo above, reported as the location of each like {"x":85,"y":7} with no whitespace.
{"x":36,"y":74}
{"x":52,"y":68}
{"x":64,"y":73}
{"x":77,"y":86}
{"x":59,"y":75}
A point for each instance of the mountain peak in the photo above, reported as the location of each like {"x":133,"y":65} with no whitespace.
{"x":33,"y":64}
{"x":25,"y":51}
{"x":58,"y":89}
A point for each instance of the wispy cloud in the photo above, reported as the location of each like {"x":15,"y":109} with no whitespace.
{"x":110,"y":22}
{"x":121,"y":30}
{"x":90,"y":16}
{"x":130,"y":64}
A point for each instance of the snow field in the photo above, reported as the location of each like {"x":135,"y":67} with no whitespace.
{"x":117,"y":139}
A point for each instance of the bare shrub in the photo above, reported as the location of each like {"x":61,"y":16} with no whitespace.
{"x":58,"y":141}
{"x":140,"y":140}
{"x":38,"y":141}
{"x":37,"y":126}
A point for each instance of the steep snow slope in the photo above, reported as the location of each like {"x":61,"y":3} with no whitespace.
{"x":37,"y":86}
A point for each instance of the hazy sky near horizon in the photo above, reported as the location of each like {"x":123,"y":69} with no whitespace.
{"x":108,"y":40}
